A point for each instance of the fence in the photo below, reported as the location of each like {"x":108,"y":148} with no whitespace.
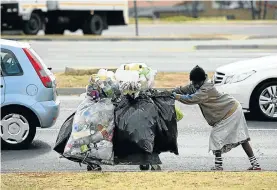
{"x":240,"y":10}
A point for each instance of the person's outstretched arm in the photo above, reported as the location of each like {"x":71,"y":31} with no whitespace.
{"x":200,"y":96}
{"x":188,"y":89}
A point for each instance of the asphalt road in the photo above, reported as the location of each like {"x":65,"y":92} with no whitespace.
{"x":188,"y":29}
{"x":161,"y":55}
{"x":193,"y":147}
{"x":183,"y":29}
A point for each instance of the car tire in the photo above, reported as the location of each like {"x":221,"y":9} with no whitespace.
{"x":259,"y":106}
{"x":33,"y":25}
{"x":94,"y":25}
{"x":17,"y":124}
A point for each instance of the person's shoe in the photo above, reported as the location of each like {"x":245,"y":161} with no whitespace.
{"x":217,"y":168}
{"x":254,"y":168}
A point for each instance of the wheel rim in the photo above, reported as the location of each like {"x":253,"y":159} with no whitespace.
{"x":14,"y":128}
{"x":268,"y":101}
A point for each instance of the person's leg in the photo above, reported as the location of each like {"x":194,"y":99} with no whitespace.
{"x":253,"y":160}
{"x":218,"y":160}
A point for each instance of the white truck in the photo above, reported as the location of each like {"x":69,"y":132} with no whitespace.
{"x":54,"y":17}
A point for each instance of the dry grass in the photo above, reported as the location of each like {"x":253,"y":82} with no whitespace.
{"x":140,"y":180}
{"x":70,"y":81}
{"x":163,"y":80}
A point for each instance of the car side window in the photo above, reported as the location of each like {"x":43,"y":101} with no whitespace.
{"x":9,"y":64}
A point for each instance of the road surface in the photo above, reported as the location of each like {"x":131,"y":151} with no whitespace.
{"x":189,"y":29}
{"x":192,"y":140}
{"x":161,"y":55}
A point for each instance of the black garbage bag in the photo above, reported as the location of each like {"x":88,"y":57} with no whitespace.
{"x":146,"y":124}
{"x":166,"y":136}
{"x":136,"y":122}
{"x":64,"y":134}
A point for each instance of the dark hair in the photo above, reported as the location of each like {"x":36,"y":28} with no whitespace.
{"x":197,"y":74}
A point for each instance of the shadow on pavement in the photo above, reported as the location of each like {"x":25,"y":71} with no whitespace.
{"x":251,"y":117}
{"x":37,"y":148}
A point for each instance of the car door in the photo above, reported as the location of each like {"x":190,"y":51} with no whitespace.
{"x":10,"y":70}
{"x":2,"y":85}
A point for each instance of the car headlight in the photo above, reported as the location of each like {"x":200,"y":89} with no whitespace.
{"x":238,"y":77}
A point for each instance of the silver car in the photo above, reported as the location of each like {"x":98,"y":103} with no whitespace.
{"x":28,"y":95}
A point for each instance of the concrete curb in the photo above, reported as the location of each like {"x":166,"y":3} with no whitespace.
{"x":134,"y":38}
{"x":79,"y":91}
{"x":217,"y":47}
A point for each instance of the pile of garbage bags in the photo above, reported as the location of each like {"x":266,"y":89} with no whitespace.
{"x":122,"y":115}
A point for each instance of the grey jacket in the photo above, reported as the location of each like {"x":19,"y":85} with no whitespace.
{"x":214,"y":105}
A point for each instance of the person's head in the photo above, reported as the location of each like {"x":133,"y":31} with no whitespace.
{"x":197,"y":77}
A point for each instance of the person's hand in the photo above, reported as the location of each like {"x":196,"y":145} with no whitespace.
{"x":176,"y":96}
{"x":173,"y":94}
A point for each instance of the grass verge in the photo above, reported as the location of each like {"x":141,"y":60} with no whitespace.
{"x":140,"y":180}
{"x":163,"y":79}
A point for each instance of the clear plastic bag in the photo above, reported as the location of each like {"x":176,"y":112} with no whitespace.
{"x":103,"y":85}
{"x":135,"y":77}
{"x":92,"y":130}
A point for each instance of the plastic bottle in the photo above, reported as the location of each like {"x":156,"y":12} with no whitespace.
{"x":102,"y":74}
{"x":107,"y":87}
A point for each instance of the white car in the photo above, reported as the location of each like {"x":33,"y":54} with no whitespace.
{"x":253,"y":83}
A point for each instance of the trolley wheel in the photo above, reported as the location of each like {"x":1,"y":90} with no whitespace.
{"x":144,"y":167}
{"x":94,"y":168}
{"x":156,"y":167}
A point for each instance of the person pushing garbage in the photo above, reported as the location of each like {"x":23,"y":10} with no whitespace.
{"x":223,"y":112}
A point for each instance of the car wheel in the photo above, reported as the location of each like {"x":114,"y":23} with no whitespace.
{"x":17,"y":130}
{"x":264,"y":101}
{"x":33,"y":26}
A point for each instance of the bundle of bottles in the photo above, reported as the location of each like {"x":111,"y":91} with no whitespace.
{"x":128,"y":79}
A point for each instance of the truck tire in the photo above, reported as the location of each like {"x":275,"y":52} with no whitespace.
{"x":94,"y":25}
{"x":33,"y":25}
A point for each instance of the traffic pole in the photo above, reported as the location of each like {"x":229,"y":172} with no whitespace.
{"x":136,"y":17}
